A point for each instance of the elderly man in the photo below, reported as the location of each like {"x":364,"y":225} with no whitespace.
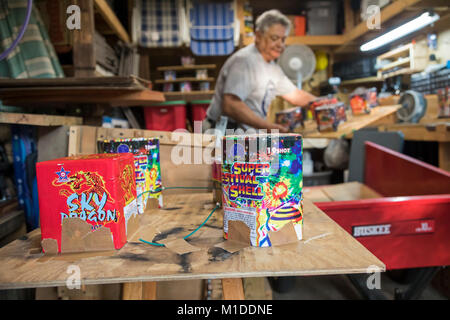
{"x":250,"y":79}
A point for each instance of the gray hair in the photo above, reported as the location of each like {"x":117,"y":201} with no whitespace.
{"x":271,"y":17}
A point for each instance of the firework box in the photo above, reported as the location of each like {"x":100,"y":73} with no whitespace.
{"x":262,"y":184}
{"x":146,"y":165}
{"x":86,"y":202}
{"x":292,"y":118}
{"x":329,"y":117}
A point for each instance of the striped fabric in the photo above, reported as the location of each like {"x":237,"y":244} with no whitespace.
{"x":35,"y":56}
{"x":160,"y":26}
{"x":211,"y":28}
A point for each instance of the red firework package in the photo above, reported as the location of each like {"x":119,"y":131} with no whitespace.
{"x":87,"y":203}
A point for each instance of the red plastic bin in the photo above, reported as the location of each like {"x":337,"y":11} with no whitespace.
{"x":198,"y":109}
{"x":166,"y":116}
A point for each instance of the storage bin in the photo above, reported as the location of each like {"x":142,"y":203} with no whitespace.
{"x":166,"y":116}
{"x":198,"y":109}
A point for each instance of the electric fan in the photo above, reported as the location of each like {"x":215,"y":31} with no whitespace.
{"x":298,"y":63}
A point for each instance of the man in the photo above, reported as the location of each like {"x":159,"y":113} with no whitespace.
{"x":250,"y":79}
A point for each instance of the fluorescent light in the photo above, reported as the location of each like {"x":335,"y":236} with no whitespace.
{"x":407,"y":28}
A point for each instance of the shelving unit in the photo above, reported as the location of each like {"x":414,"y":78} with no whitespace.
{"x":407,"y":59}
{"x":187,"y":95}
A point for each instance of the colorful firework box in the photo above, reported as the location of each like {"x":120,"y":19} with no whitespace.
{"x":329,"y":117}
{"x":262,"y":183}
{"x":146,"y":165}
{"x":292,"y":118}
{"x":98,"y":189}
{"x":322,"y":101}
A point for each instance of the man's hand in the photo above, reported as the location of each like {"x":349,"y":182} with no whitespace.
{"x":299,"y":98}
{"x":279,"y":127}
{"x":236,"y":109}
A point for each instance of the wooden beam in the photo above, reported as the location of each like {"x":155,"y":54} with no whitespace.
{"x":111,"y":20}
{"x":348,"y":16}
{"x":233,"y":289}
{"x":83,"y":41}
{"x":39,"y":119}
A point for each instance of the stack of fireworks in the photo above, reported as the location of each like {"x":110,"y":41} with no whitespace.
{"x":329,"y":117}
{"x":321,"y":101}
{"x":362,"y":100}
{"x":291,"y":118}
{"x":262,"y":184}
{"x":105,"y":192}
{"x":146,"y":166}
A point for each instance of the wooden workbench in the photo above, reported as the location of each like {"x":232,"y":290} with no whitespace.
{"x":353,"y":123}
{"x":326,"y":249}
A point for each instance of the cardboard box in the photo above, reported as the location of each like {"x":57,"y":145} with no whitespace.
{"x":86,"y":202}
{"x":262,"y":184}
{"x":146,"y":165}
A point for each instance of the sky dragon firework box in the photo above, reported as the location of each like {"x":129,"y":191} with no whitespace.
{"x":262,"y":183}
{"x":146,"y":165}
{"x":86,"y":201}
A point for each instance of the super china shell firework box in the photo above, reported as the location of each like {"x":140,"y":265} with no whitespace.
{"x":262,"y":183}
{"x":98,"y":189}
{"x":146,"y":165}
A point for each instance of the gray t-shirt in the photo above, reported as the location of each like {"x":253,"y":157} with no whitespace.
{"x":255,"y":81}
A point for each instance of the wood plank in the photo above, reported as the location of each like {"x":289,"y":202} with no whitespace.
{"x":83,"y":41}
{"x":444,"y":155}
{"x":325,"y":249}
{"x":189,"y":96}
{"x":132,"y":291}
{"x":111,"y":20}
{"x":149,"y":290}
{"x":350,"y":191}
{"x":320,"y":40}
{"x":191,"y":79}
{"x":108,"y":96}
{"x":114,"y":81}
{"x":39,"y":119}
{"x":438,"y":131}
{"x":361,"y":80}
{"x":233,"y":289}
{"x":187,"y":67}
{"x":353,"y":123}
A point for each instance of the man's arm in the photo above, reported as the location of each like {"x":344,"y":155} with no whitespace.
{"x":299,"y":97}
{"x":236,"y":109}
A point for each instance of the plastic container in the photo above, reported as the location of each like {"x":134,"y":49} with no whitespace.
{"x":166,"y":116}
{"x":198,"y":109}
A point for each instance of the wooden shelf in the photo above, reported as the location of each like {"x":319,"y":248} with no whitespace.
{"x":108,"y":15}
{"x":327,"y":40}
{"x":396,"y":64}
{"x":361,"y":80}
{"x":39,"y":119}
{"x":188,"y":67}
{"x":191,"y":79}
{"x":189,"y":96}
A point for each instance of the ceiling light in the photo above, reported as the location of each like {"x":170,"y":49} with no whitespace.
{"x":407,"y":28}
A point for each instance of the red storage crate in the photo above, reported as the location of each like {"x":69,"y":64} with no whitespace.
{"x":166,"y":116}
{"x":198,"y":109}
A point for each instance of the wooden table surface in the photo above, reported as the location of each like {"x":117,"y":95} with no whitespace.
{"x":326,"y":249}
{"x":353,"y":123}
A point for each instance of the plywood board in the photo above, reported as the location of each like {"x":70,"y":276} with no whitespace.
{"x":39,"y":119}
{"x":353,"y":123}
{"x":326,"y":249}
